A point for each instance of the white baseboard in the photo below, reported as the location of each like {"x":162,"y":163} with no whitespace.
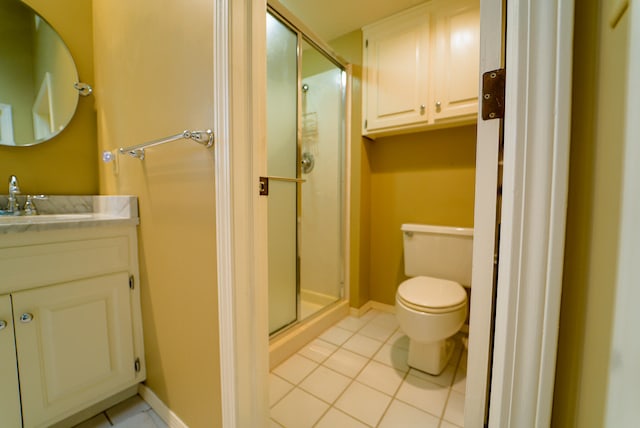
{"x":160,"y":408}
{"x":372,"y":304}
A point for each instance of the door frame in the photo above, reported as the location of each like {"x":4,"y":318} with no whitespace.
{"x":622,"y":396}
{"x":534,"y":204}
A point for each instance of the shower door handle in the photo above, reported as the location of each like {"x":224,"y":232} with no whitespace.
{"x":264,"y":182}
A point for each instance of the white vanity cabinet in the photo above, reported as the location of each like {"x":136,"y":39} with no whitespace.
{"x":9,"y":389}
{"x":76,"y":321}
{"x":420,"y":68}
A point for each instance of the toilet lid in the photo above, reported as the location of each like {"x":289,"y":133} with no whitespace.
{"x":432,"y":293}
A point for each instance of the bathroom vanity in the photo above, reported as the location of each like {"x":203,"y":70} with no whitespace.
{"x":70,"y":321}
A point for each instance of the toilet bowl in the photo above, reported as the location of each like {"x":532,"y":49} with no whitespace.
{"x":430,"y":311}
{"x":431,"y":306}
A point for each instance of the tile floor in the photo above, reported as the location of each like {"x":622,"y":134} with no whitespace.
{"x":133,"y":412}
{"x":356,"y":375}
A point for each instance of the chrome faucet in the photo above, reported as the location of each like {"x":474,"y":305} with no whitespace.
{"x":14,"y":189}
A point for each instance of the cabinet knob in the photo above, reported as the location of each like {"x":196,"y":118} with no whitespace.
{"x":26,"y":317}
{"x":3,"y":324}
{"x":438,"y":106}
{"x":422,"y":108}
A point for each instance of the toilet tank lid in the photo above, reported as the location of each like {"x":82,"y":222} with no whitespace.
{"x":429,"y":228}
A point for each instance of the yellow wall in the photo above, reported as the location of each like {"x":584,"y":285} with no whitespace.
{"x":425,"y":178}
{"x":593,"y":217}
{"x":154,"y":78}
{"x":68,"y":163}
{"x":349,"y":47}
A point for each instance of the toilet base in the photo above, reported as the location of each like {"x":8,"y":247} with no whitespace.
{"x":432,"y":357}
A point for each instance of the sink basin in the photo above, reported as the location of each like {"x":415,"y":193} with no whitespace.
{"x":42,"y":218}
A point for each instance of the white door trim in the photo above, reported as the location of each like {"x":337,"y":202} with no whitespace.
{"x":239,"y":118}
{"x":623,"y":394}
{"x":536,"y":162}
{"x":534,"y":192}
{"x":484,"y":225}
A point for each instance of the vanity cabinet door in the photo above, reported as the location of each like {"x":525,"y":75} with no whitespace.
{"x":75,"y":345}
{"x":457,"y":60}
{"x":9,"y":390}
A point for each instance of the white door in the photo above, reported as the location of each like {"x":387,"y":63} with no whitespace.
{"x":75,"y":345}
{"x":9,"y":390}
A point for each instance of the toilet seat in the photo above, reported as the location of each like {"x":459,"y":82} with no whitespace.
{"x":432,"y":295}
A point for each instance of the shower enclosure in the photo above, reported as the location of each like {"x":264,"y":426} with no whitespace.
{"x":305,"y":183}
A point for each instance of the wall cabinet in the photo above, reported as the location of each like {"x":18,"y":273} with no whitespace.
{"x":75,"y":321}
{"x":421,"y":68}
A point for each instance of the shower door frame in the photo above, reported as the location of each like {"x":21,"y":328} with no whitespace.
{"x":239,"y":118}
{"x":304,"y":34}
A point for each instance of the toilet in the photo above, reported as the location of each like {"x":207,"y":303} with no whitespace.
{"x":431,"y":306}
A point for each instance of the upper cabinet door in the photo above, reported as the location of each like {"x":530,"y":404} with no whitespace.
{"x":75,"y":345}
{"x":456,"y":60}
{"x":396,"y":62}
{"x":9,"y":390}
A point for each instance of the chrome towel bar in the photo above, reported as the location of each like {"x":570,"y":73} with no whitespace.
{"x":201,"y":137}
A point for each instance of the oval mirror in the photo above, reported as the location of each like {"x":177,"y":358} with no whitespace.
{"x":37,"y":77}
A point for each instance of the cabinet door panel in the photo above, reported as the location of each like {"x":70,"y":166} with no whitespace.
{"x":456,"y":89}
{"x":397,"y":62}
{"x":78,"y":347}
{"x":9,"y":390}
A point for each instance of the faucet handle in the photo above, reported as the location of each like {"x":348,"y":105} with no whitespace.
{"x":30,"y":207}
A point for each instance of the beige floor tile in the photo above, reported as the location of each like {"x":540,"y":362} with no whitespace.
{"x":362,"y":345}
{"x":460,"y":382}
{"x":363,"y":403}
{"x":378,"y":332}
{"x":445,"y":424}
{"x":381,"y":377}
{"x":98,"y":421}
{"x":318,"y":350}
{"x":141,"y":420}
{"x":401,"y":415}
{"x":454,"y":412}
{"x":278,"y":388}
{"x":445,"y":378}
{"x":295,"y":368}
{"x":352,"y":323}
{"x":298,"y":409}
{"x":336,"y":419}
{"x":336,"y":335}
{"x":126,"y":409}
{"x":325,"y":384}
{"x":399,"y":339}
{"x":157,"y":419}
{"x":346,"y":362}
{"x":393,"y":356}
{"x":423,"y":394}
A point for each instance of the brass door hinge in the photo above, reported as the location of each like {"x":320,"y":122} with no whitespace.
{"x":493,"y":84}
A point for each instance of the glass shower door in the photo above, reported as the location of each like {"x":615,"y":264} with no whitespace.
{"x":282,"y":162}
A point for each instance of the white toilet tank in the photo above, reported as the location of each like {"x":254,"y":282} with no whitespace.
{"x":438,"y":251}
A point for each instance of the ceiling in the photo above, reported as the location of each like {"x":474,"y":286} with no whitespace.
{"x":330,"y":19}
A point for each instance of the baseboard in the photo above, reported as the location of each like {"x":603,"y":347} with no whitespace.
{"x":160,"y":408}
{"x":372,"y":304}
